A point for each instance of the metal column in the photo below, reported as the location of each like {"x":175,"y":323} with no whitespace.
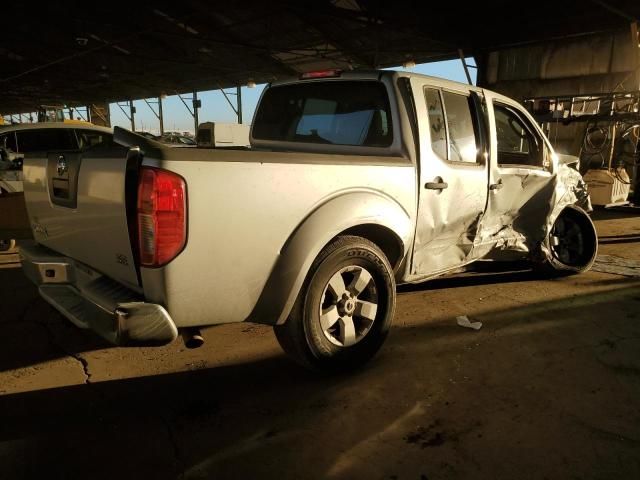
{"x":158,"y":114}
{"x":196,"y":105}
{"x":132,"y":109}
{"x":238,"y":108}
{"x":130,"y":116}
{"x":239,"y":94}
{"x":465,"y":66}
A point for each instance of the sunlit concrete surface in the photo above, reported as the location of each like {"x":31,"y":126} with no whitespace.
{"x":549,"y":387}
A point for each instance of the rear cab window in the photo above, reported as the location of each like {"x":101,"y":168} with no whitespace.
{"x":348,"y":113}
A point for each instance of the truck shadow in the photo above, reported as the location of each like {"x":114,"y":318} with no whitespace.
{"x":423,"y":407}
{"x":32,"y":332}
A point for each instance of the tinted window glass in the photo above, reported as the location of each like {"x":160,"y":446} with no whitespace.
{"x":91,"y":138}
{"x":516,"y":144}
{"x":335,"y":112}
{"x":46,"y":139}
{"x":462,"y":139}
{"x":436,"y":122}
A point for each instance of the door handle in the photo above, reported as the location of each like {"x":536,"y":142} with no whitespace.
{"x":496,"y":186}
{"x":439,"y":185}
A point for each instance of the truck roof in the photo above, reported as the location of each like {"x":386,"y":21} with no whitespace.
{"x":375,"y":75}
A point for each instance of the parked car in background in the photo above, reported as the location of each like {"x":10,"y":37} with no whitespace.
{"x":149,"y":135}
{"x":177,"y":140}
{"x":20,"y":139}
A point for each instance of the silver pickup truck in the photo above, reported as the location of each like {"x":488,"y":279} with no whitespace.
{"x":355,"y":182}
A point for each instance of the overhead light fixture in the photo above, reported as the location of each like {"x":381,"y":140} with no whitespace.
{"x":409,"y":64}
{"x":251,"y":84}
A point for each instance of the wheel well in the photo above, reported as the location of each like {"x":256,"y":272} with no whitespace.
{"x":383,"y":237}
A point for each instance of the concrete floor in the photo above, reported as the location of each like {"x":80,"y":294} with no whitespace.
{"x":548,"y":388}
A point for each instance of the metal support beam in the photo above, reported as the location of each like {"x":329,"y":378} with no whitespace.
{"x":635,"y":49}
{"x":196,"y":104}
{"x":465,"y":66}
{"x":95,"y":111}
{"x":130,"y":116}
{"x":226,"y":97}
{"x":132,"y":109}
{"x":86,"y":117}
{"x":158,"y":114}
{"x":615,"y":10}
{"x":239,"y":94}
{"x":237,"y":109}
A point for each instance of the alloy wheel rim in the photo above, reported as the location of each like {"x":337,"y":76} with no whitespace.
{"x":348,"y":306}
{"x":567,"y":242}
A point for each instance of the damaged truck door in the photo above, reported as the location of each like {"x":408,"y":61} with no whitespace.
{"x":452,"y":177}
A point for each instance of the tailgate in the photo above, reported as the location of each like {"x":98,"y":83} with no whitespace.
{"x":77,"y":205}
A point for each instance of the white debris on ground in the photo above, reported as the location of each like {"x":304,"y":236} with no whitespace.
{"x":464,"y":321}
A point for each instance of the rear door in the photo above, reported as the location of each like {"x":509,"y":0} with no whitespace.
{"x":77,"y":206}
{"x":453,"y":177}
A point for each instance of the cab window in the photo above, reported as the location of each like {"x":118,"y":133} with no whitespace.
{"x":462,"y":139}
{"x":452,"y":128}
{"x":518,"y":145}
{"x":437,"y":127}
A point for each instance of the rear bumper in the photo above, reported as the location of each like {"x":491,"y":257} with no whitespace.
{"x":91,"y":300}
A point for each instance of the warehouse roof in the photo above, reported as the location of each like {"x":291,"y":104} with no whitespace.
{"x":77,"y":53}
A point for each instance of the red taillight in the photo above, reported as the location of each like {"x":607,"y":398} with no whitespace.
{"x":162,"y":224}
{"x":321,"y":74}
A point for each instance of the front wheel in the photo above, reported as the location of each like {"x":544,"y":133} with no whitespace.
{"x":344,"y":310}
{"x":572,"y":243}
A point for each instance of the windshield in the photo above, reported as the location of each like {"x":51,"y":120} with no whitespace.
{"x":332,"y":112}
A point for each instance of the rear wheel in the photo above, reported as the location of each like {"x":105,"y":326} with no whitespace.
{"x":572,"y":243}
{"x":344,"y":310}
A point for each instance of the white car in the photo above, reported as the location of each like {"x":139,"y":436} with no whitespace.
{"x":19,"y":139}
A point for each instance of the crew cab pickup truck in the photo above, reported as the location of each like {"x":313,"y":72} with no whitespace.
{"x":355,"y":182}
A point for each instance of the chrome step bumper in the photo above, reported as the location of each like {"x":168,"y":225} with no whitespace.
{"x":91,"y":300}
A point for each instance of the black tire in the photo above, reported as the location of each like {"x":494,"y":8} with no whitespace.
{"x":6,"y":245}
{"x":332,"y":350}
{"x":572,"y":243}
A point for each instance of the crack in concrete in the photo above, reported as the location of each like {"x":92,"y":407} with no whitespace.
{"x":83,"y":361}
{"x":51,"y":339}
